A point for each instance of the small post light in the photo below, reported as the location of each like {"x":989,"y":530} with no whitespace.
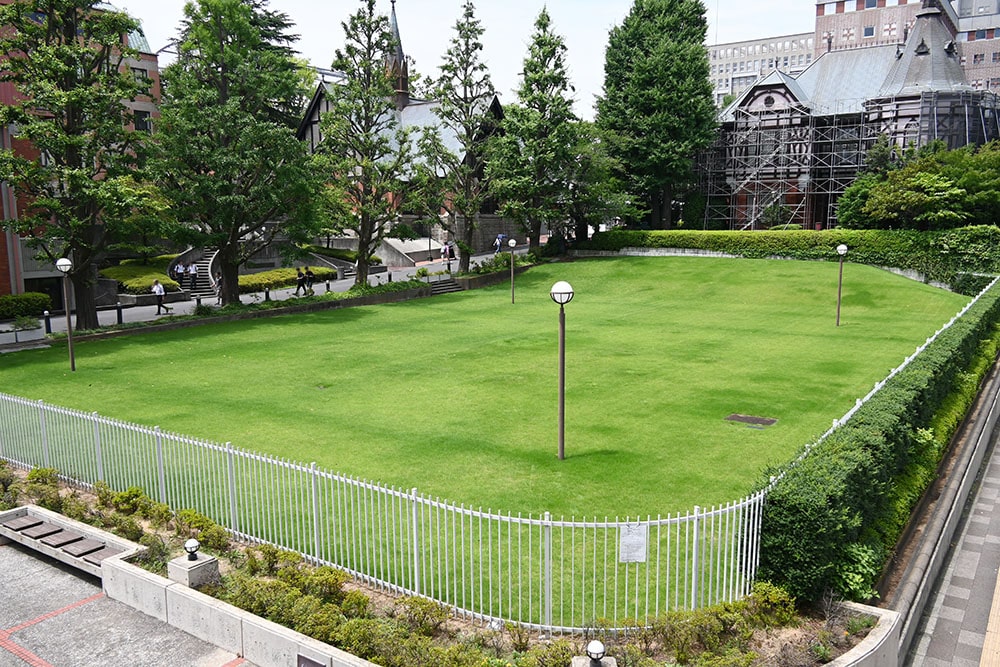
{"x":191,"y":547}
{"x":841,"y":250}
{"x":512,"y":243}
{"x":65,"y":265}
{"x":562,"y":293}
{"x":595,"y":651}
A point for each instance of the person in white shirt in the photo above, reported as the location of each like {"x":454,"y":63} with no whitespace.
{"x":192,"y":276}
{"x":159,"y":292}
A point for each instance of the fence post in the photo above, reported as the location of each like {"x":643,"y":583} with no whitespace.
{"x":548,"y":570}
{"x":315,"y":510}
{"x":97,"y":447}
{"x":159,"y":464}
{"x":415,"y":536}
{"x":694,"y":560}
{"x":231,"y":472}
{"x":45,"y":435}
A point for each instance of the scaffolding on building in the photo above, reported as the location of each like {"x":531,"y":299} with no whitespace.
{"x":803,"y":159}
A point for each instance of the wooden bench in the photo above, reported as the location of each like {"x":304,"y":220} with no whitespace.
{"x":66,"y":540}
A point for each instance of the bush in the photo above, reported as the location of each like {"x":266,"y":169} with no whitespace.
{"x":28,"y":304}
{"x":422,"y":615}
{"x":42,"y":487}
{"x":831,"y":520}
{"x":285,"y":277}
{"x":130,"y":501}
{"x":136,"y":277}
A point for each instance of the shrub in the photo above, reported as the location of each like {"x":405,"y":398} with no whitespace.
{"x":421,"y":615}
{"x":126,"y":526}
{"x":105,"y":494}
{"x":25,"y":323}
{"x":28,"y":304}
{"x":42,"y":487}
{"x":130,"y":501}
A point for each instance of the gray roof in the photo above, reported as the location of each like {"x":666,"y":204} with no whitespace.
{"x":928,"y":63}
{"x":839,"y":82}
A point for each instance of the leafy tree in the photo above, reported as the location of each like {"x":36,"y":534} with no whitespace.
{"x":365,"y":151}
{"x":596,"y":194}
{"x":531,"y":157}
{"x":236,"y":175}
{"x":465,"y":96}
{"x":67,"y":60}
{"x":658,"y":98}
{"x":911,"y":198}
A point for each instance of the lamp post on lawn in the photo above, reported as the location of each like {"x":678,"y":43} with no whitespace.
{"x":511,"y":244}
{"x":562,"y":293}
{"x":841,"y":250}
{"x":65,"y":265}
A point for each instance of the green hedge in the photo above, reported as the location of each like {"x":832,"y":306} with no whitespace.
{"x":29,"y":304}
{"x":256,"y":282}
{"x":136,"y":277}
{"x":831,"y":520}
{"x":947,"y":256}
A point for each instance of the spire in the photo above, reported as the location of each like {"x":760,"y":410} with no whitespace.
{"x":396,"y":63}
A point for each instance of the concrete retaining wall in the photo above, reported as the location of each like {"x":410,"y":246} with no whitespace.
{"x":258,"y":640}
{"x":880,"y":648}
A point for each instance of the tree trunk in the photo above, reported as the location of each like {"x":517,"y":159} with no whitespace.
{"x":365,"y":242}
{"x":85,"y":298}
{"x":667,"y":201}
{"x":534,"y":235}
{"x":467,"y":229}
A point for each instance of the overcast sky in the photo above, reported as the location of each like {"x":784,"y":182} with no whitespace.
{"x":426,"y":27}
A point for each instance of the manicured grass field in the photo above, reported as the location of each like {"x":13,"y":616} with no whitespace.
{"x":456,"y":395}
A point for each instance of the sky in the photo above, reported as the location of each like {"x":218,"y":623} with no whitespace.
{"x":425,"y":28}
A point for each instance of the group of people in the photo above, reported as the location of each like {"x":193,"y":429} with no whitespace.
{"x":304,"y":281}
{"x":190,"y":271}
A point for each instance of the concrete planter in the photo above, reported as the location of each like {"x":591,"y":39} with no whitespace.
{"x":23,"y":336}
{"x":487,"y":279}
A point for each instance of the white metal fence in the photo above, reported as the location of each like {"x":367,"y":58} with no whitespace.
{"x":542,"y":571}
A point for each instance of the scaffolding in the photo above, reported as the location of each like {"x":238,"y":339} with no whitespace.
{"x":803,"y":159}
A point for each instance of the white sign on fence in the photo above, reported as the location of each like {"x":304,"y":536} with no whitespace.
{"x":632,"y":542}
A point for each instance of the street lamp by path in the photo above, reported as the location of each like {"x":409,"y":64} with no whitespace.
{"x":562,"y":293}
{"x":65,"y":265}
{"x":511,"y":244}
{"x":841,"y":250}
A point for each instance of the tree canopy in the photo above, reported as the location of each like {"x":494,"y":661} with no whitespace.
{"x":657,"y":99}
{"x":68,"y":61}
{"x":228,"y":158}
{"x":531,"y":157}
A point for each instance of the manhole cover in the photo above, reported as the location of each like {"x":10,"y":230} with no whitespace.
{"x":751,"y":420}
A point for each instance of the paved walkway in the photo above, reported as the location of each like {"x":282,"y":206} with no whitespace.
{"x":961,"y":624}
{"x":53,"y":616}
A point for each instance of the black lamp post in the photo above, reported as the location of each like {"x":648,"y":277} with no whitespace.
{"x":65,"y":265}
{"x":562,"y":293}
{"x":841,"y":250}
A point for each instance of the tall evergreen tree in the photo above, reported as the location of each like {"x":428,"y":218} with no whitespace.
{"x":66,"y":58}
{"x":365,"y":151}
{"x":465,"y":93}
{"x":531,"y":157}
{"x":229,"y":161}
{"x":658,"y":98}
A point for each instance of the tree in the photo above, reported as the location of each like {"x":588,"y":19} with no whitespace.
{"x":237,"y":177}
{"x":531,"y":157}
{"x":66,"y":59}
{"x":596,"y":194}
{"x":465,"y":95}
{"x":658,"y":98}
{"x":365,"y":151}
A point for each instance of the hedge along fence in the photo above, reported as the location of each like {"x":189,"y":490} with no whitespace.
{"x":832,"y":518}
{"x":952,"y":257}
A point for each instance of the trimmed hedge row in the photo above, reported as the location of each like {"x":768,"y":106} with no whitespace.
{"x":29,"y":304}
{"x":256,"y":282}
{"x":833,"y":518}
{"x":948,"y":256}
{"x":136,"y":277}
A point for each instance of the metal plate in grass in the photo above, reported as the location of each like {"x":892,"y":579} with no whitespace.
{"x":751,"y":421}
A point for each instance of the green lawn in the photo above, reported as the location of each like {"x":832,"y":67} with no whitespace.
{"x":456,"y":395}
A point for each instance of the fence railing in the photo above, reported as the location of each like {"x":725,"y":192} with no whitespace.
{"x":546,"y":572}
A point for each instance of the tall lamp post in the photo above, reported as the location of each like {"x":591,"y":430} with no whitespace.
{"x":841,"y":250}
{"x":511,"y":244}
{"x":562,"y":293}
{"x":65,"y":265}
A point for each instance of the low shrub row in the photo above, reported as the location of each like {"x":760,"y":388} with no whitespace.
{"x":136,"y":276}
{"x":275,"y":278}
{"x":952,"y":257}
{"x":28,"y":304}
{"x":831,"y":520}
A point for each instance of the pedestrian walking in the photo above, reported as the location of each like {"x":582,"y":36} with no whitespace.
{"x":444,"y":250}
{"x":192,"y":276}
{"x":300,"y":281}
{"x":180,"y":270}
{"x":217,"y":285}
{"x":310,"y":279}
{"x":159,"y":292}
{"x":497,"y":244}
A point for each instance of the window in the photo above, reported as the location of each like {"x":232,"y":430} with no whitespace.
{"x":980,"y":34}
{"x":994,"y":84}
{"x":142,"y":122}
{"x":996,"y":56}
{"x":869,"y":31}
{"x":978,"y":58}
{"x":871,"y":4}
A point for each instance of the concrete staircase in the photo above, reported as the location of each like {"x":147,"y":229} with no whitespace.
{"x":203,"y":288}
{"x":445,"y":286}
